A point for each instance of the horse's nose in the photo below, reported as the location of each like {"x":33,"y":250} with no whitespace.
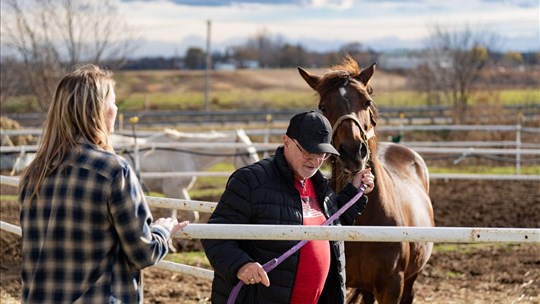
{"x":352,"y":154}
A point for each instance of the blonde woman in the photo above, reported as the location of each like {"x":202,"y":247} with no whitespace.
{"x":87,"y":229}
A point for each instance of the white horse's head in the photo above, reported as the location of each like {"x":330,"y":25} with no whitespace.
{"x":23,"y":160}
{"x":245,"y":156}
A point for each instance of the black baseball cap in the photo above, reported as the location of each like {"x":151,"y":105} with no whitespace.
{"x":312,"y":131}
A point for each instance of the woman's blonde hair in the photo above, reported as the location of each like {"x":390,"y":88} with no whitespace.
{"x":77,"y":113}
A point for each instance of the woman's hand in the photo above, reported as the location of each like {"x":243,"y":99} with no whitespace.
{"x":364,"y":177}
{"x":171,"y":224}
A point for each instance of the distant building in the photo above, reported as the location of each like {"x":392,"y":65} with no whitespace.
{"x":399,"y":60}
{"x":225,"y":66}
{"x":251,"y":64}
{"x":411,"y":59}
{"x":231,"y":65}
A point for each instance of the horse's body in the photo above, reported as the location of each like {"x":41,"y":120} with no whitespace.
{"x":179,"y":159}
{"x":382,"y":271}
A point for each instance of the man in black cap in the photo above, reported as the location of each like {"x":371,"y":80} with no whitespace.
{"x":285,"y":189}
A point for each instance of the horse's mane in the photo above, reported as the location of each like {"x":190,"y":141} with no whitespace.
{"x":338,"y":75}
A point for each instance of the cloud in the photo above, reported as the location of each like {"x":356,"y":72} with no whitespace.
{"x":333,"y":3}
{"x":339,"y":4}
{"x":235,"y":2}
{"x":517,"y":3}
{"x":326,"y":24}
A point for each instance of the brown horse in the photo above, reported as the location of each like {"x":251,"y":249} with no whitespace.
{"x":382,"y":271}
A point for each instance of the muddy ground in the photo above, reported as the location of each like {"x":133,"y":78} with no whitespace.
{"x":487,"y":273}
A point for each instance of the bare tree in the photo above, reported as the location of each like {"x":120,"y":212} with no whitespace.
{"x":51,"y":36}
{"x":11,"y":82}
{"x":262,"y":47}
{"x":359,"y":52}
{"x":452,"y":62}
{"x":195,"y":58}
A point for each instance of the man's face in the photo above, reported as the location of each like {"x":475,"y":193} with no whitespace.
{"x":303,"y":163}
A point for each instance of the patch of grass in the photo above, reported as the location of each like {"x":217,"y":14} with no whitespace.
{"x":161,"y":101}
{"x":453,"y":274}
{"x":8,"y":197}
{"x":207,"y":187}
{"x":468,"y":249}
{"x":207,"y":194}
{"x":399,"y":99}
{"x":456,"y":248}
{"x":20,"y":104}
{"x":525,"y":169}
{"x":191,"y":258}
{"x":155,"y":194}
{"x":523,"y":96}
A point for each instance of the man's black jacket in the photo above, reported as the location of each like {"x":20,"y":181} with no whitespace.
{"x":264,"y":193}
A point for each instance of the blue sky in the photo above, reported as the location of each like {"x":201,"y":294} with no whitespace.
{"x":168,"y":27}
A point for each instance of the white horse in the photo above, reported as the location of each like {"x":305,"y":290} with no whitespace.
{"x":175,"y":158}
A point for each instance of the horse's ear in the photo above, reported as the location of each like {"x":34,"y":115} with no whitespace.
{"x":366,"y":74}
{"x":311,"y":79}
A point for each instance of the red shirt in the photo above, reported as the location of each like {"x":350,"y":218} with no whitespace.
{"x":314,"y":261}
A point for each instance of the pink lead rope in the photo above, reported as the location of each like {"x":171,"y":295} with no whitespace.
{"x":275,"y":262}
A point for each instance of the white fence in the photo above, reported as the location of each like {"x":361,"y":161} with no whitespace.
{"x":462,"y":148}
{"x":291,"y":232}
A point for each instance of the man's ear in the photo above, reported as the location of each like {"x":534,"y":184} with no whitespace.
{"x":286,"y":139}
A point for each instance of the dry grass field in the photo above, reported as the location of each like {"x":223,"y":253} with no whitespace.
{"x":241,"y":89}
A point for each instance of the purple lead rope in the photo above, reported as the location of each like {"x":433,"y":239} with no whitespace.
{"x":268,"y":266}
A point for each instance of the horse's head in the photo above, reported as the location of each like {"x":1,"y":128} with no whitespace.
{"x":345,"y":99}
{"x":23,"y":160}
{"x":245,"y":156}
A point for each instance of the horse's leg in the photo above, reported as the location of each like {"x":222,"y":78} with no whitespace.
{"x":193,"y":216}
{"x":352,"y":295}
{"x":367,"y":298}
{"x":355,"y":293}
{"x":408,"y":291}
{"x":392,"y":289}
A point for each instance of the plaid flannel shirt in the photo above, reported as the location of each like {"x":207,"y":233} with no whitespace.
{"x":88,"y":233}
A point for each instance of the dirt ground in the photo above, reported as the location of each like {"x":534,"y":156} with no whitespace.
{"x":487,"y":273}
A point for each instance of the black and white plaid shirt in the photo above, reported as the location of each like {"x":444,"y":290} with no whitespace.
{"x":88,"y":234}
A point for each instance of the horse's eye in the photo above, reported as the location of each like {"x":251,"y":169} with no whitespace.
{"x":322,"y":109}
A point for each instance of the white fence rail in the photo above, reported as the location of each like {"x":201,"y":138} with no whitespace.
{"x":350,"y":233}
{"x":292,"y":232}
{"x":433,"y":176}
{"x":278,"y":131}
{"x":424,"y":148}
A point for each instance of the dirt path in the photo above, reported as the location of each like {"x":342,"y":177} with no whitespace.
{"x":457,"y":273}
